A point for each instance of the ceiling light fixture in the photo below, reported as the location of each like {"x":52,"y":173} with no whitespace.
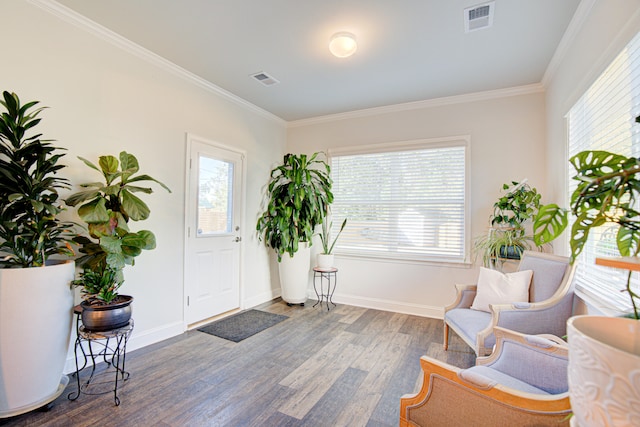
{"x":343,"y":44}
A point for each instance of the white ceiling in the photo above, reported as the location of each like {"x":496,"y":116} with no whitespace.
{"x":408,"y":50}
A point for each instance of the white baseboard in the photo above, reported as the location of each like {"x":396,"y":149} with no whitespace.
{"x":261,"y":298}
{"x":387,"y":305}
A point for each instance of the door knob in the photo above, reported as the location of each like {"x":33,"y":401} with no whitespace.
{"x":237,"y":239}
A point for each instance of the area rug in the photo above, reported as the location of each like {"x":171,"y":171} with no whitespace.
{"x":242,"y":325}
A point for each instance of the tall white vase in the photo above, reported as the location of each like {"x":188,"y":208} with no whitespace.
{"x":604,"y":371}
{"x":294,"y":275}
{"x":36,"y":317}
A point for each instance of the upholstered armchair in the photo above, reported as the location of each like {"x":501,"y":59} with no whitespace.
{"x":549,"y":306}
{"x":522,"y":383}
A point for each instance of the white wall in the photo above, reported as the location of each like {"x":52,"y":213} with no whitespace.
{"x":104,"y":99}
{"x":507,"y":143}
{"x":606,"y":28}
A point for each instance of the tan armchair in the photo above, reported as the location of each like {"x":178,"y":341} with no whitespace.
{"x":551,"y":304}
{"x":522,"y":383}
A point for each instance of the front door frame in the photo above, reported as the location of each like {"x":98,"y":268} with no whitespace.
{"x":189,"y":138}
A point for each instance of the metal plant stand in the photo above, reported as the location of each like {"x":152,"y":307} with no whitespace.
{"x":329,"y":275}
{"x":111,"y":347}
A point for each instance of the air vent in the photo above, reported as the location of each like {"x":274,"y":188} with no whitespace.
{"x":265,"y":79}
{"x":478,"y":17}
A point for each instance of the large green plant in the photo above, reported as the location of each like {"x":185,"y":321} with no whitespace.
{"x":518,"y":204}
{"x":507,"y":237}
{"x":30,"y":231}
{"x":299,"y":194}
{"x":107,"y":209}
{"x":607,"y":192}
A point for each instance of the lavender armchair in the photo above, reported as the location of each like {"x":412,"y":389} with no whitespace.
{"x":551,"y":304}
{"x":523,"y":383}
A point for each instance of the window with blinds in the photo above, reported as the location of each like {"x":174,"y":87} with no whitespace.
{"x":604,"y":119}
{"x":402,"y":201}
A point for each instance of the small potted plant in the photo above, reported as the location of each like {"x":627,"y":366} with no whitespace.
{"x":604,"y":350}
{"x":36,"y":302}
{"x":507,"y":238}
{"x":298,"y":196}
{"x":325,"y":258}
{"x":107,"y":209}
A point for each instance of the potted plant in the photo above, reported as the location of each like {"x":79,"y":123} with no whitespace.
{"x":325,"y":258}
{"x":507,"y":238}
{"x":36,"y":302}
{"x":604,"y":352}
{"x":107,"y":209}
{"x":298,"y":195}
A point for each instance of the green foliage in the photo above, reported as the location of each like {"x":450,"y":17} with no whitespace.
{"x":99,"y":285}
{"x":516,"y":206}
{"x":30,"y":231}
{"x":325,"y":237}
{"x":299,"y":194}
{"x":107,"y":208}
{"x":493,"y":246}
{"x":607,"y":192}
{"x":519,"y":203}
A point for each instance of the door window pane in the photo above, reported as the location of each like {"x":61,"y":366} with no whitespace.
{"x":215,"y":190}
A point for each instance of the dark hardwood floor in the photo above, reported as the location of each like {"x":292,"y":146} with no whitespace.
{"x":345,"y":367}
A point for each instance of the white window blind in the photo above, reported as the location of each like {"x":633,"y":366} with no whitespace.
{"x":604,"y":119}
{"x":404,"y":201}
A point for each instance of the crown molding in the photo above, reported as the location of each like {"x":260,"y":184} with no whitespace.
{"x":82,"y":22}
{"x":416,"y":105}
{"x":576,"y":23}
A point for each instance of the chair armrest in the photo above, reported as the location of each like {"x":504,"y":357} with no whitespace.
{"x":447,"y":399}
{"x":465,"y":295}
{"x":529,"y":318}
{"x":544,"y":342}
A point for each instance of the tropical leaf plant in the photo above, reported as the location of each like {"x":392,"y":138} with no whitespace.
{"x":107,"y":207}
{"x":507,"y":237}
{"x":607,"y":192}
{"x":30,"y":230}
{"x":299,"y":194}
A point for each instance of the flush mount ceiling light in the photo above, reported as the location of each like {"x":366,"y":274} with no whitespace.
{"x":343,"y":44}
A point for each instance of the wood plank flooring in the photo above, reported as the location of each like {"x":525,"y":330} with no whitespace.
{"x":345,"y":367}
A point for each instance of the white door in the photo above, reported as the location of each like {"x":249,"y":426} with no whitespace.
{"x":213,"y":234}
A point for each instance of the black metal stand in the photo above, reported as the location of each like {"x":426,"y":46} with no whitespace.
{"x":111,"y":346}
{"x":325,"y":274}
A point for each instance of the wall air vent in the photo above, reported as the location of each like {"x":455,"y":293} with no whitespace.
{"x":265,"y":79}
{"x":478,"y":17}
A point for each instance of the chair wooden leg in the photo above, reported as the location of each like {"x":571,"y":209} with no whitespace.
{"x":446,"y":336}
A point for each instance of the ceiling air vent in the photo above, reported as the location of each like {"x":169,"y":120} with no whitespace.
{"x":478,"y":17}
{"x":265,"y":79}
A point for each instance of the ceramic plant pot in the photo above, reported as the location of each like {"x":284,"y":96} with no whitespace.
{"x":107,"y":317}
{"x":604,"y":370}
{"x":325,"y":260}
{"x":36,"y":318}
{"x":294,"y":275}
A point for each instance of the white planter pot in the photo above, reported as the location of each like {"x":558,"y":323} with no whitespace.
{"x":325,"y":260}
{"x":294,"y":275}
{"x":604,"y":371}
{"x":36,"y":317}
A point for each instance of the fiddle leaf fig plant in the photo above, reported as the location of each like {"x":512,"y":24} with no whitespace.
{"x":107,"y":207}
{"x":299,"y":194}
{"x":30,"y":230}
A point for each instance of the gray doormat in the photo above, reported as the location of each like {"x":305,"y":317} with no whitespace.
{"x":242,"y":325}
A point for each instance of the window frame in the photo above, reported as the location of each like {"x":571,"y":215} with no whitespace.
{"x":594,"y":295}
{"x":463,"y":141}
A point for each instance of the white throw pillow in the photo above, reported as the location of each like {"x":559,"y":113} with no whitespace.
{"x":495,"y":287}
